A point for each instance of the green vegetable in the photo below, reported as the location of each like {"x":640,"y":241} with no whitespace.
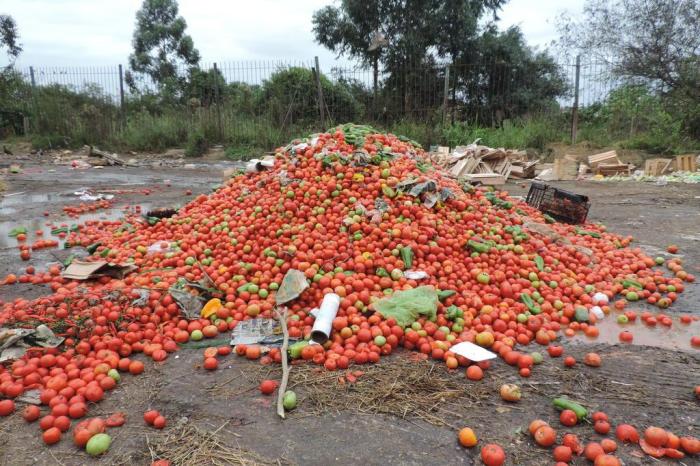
{"x":632,"y":284}
{"x":93,"y":247}
{"x":17,"y":231}
{"x":381,"y":272}
{"x":243,"y":288}
{"x":105,"y":252}
{"x":478,"y":247}
{"x":539,"y":262}
{"x":592,"y":234}
{"x":581,"y":314}
{"x":289,"y":401}
{"x":389,"y":192}
{"x":406,"y":256}
{"x":98,"y":444}
{"x":564,"y":403}
{"x":527,"y":301}
{"x":58,"y":231}
{"x":549,"y":218}
{"x":69,"y":260}
{"x":295,"y":349}
{"x":444,"y":294}
{"x":453,"y":312}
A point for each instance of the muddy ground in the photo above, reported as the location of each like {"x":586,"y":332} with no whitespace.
{"x":379,"y":420}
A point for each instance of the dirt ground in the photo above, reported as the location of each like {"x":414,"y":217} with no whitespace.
{"x":408,"y":418}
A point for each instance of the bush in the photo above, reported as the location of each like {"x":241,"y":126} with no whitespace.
{"x":196,"y":145}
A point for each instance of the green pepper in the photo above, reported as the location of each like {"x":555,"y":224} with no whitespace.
{"x":68,"y":260}
{"x":243,"y":288}
{"x":295,"y":349}
{"x":549,"y":218}
{"x":565,"y":403}
{"x":478,"y":247}
{"x":632,"y":284}
{"x":526,"y":299}
{"x":406,"y":256}
{"x":444,"y":294}
{"x":539,"y":262}
{"x":93,"y":247}
{"x":105,"y":252}
{"x":592,"y":234}
{"x":381,"y":272}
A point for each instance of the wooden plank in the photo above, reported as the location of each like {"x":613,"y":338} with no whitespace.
{"x":491,"y":179}
{"x":603,"y":157}
{"x":610,"y":169}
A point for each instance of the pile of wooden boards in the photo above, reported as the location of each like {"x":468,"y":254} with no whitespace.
{"x":486,"y":165}
{"x":608,"y":164}
{"x":681,"y":163}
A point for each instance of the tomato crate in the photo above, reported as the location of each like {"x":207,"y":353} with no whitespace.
{"x":560,"y":204}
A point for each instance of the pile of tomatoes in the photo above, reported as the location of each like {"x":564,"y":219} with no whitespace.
{"x":345,"y":221}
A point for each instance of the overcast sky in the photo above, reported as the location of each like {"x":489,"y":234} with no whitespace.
{"x":90,"y":32}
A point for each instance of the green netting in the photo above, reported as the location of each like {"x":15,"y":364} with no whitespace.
{"x":405,"y":306}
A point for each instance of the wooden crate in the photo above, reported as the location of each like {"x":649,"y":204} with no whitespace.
{"x":613,"y":169}
{"x":609,"y":157}
{"x":657,"y":167}
{"x":686,"y":163}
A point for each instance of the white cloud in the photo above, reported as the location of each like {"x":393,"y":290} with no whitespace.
{"x":98,"y":33}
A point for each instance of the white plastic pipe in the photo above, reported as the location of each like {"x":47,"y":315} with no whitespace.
{"x":321,"y":331}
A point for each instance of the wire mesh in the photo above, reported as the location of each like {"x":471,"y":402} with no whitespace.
{"x":262,"y":104}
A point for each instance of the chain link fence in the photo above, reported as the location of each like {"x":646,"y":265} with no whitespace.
{"x":263,"y":104}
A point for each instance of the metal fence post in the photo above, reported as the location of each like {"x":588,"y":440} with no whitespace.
{"x":574,"y":109}
{"x":219,"y":123}
{"x":320,"y":94}
{"x":35,"y":124}
{"x":122,"y":107}
{"x":446,"y":96}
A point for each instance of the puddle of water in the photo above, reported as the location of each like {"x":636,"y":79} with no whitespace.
{"x":35,"y":224}
{"x":677,"y":337}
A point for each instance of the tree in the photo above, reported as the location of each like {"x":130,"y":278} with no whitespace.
{"x":405,"y":36}
{"x":511,"y":78}
{"x":9,"y":37}
{"x":161,"y":46}
{"x":656,"y":42}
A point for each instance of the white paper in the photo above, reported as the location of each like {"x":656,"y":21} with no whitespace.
{"x":472,"y":352}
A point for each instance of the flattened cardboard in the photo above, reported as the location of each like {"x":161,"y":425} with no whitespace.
{"x":83,"y":270}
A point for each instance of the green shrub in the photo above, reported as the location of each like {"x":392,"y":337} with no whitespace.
{"x":197,"y":145}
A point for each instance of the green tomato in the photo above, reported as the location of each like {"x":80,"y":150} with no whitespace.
{"x":274,"y":286}
{"x":253,"y":288}
{"x":380,"y":340}
{"x":483,"y":278}
{"x":98,"y":444}
{"x":416,"y":326}
{"x":196,"y":335}
{"x":632,"y":296}
{"x":522,"y":318}
{"x":263,"y":293}
{"x":190,"y":260}
{"x":114,"y":374}
{"x":536,"y":357}
{"x":659,"y":260}
{"x":396,"y":274}
{"x":622,"y":319}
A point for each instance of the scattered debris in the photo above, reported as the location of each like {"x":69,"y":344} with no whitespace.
{"x":83,"y":270}
{"x":484,"y":165}
{"x":14,"y":342}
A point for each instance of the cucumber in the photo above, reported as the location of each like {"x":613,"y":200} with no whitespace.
{"x":565,"y":403}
